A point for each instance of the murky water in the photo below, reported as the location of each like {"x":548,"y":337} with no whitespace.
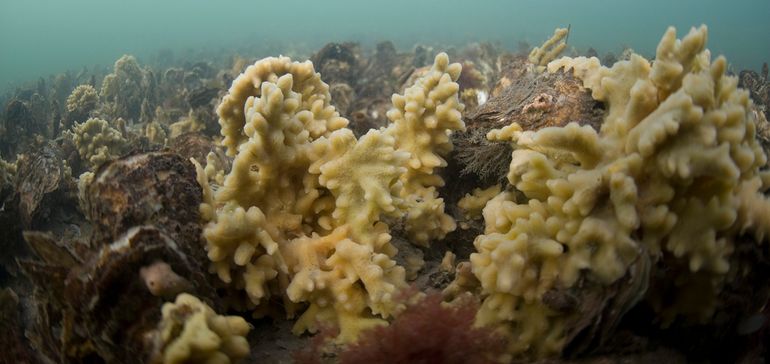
{"x":40,"y":37}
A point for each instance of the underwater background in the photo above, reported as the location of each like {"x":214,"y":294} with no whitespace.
{"x":449,"y":182}
{"x":40,"y":37}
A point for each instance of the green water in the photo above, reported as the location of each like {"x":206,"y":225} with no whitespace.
{"x":42,"y":37}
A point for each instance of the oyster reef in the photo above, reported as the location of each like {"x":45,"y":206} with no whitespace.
{"x":415,"y":201}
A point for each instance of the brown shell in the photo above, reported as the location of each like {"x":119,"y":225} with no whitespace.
{"x":111,"y":307}
{"x":39,"y":174}
{"x":532,"y":99}
{"x":157,"y":188}
{"x":193,"y":145}
{"x":537,"y":100}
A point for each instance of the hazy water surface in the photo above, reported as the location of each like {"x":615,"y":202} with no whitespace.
{"x":40,"y":37}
